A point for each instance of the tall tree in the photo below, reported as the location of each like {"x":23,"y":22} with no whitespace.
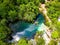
{"x":40,"y":41}
{"x":12,"y":14}
{"x":52,"y":42}
{"x":22,"y":42}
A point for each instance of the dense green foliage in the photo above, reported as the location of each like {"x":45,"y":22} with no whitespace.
{"x":52,"y":42}
{"x":4,"y":32}
{"x":41,"y":41}
{"x":16,"y":10}
{"x":53,"y":9}
{"x":19,"y":9}
{"x":55,"y":34}
{"x":23,"y":42}
{"x":26,"y":10}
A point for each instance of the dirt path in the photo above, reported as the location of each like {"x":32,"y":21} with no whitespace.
{"x":44,"y":11}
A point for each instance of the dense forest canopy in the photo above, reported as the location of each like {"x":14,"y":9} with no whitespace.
{"x":53,"y":9}
{"x":19,"y":9}
{"x":14,"y":10}
{"x":26,"y":10}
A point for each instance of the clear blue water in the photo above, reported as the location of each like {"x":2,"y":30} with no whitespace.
{"x":20,"y":26}
{"x":24,"y":29}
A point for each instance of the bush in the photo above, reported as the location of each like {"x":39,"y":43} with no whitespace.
{"x":55,"y":34}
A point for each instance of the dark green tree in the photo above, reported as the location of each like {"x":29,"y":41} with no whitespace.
{"x":22,"y":42}
{"x":12,"y":15}
{"x":40,"y":41}
{"x":55,"y":34}
{"x":52,"y":42}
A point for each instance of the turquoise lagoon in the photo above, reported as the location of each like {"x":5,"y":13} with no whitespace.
{"x":24,"y":29}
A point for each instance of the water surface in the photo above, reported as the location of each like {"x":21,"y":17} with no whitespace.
{"x":24,"y":29}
